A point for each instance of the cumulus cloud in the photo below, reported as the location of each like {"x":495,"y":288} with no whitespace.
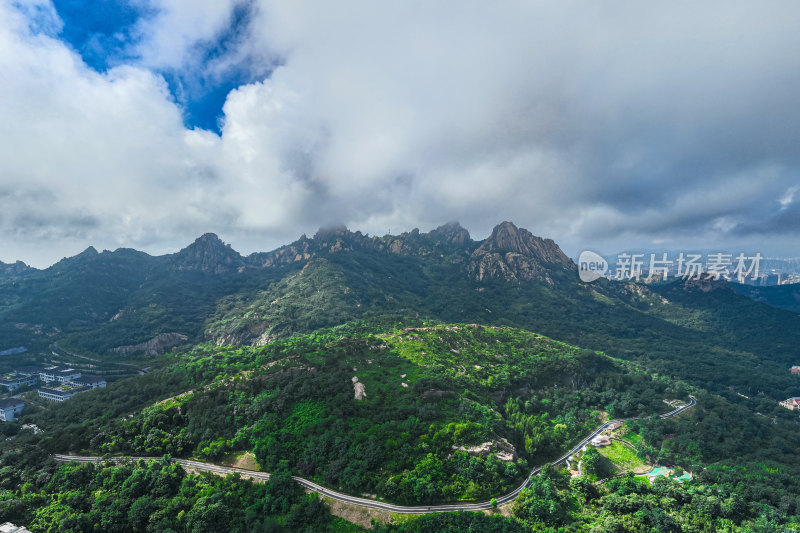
{"x":87,"y":156}
{"x":614,"y":124}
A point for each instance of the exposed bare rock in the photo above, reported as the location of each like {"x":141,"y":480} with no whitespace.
{"x":706,"y":283}
{"x":208,"y":254}
{"x":490,"y":266}
{"x":255,"y":333}
{"x":396,"y":246}
{"x":447,"y":239}
{"x":264,"y":339}
{"x":360,"y":389}
{"x":502,"y":449}
{"x":300,"y":250}
{"x":154,"y":346}
{"x":506,"y":237}
{"x":452,"y":233}
{"x":14,"y":269}
{"x":512,"y":254}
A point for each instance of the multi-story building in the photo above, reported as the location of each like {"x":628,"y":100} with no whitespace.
{"x":90,"y":381}
{"x":61,"y":392}
{"x":59,"y":375}
{"x":14,"y":381}
{"x":10,"y":408}
{"x":27,"y":371}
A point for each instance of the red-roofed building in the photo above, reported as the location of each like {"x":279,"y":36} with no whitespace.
{"x":792,"y":403}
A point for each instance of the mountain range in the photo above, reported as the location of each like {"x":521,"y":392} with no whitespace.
{"x":105,"y":303}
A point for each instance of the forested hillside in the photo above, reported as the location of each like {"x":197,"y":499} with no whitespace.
{"x":412,"y":412}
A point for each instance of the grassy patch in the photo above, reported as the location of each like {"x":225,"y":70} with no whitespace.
{"x":246,"y":460}
{"x":622,"y":456}
{"x":305,"y":414}
{"x":630,"y":436}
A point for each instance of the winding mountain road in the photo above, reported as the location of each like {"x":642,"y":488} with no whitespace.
{"x":375,"y":504}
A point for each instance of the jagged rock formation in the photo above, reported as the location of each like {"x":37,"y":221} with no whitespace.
{"x":450,"y":233}
{"x":245,"y":336}
{"x":14,"y":269}
{"x":299,"y":250}
{"x":208,"y":254}
{"x":512,"y":253}
{"x":448,"y":238}
{"x":154,"y":346}
{"x":705,"y":283}
{"x":341,"y":272}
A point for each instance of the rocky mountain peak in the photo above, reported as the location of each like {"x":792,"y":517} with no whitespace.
{"x":705,"y":283}
{"x":335,"y":230}
{"x":208,"y":254}
{"x":13,"y":269}
{"x":452,"y":233}
{"x":513,"y":253}
{"x":91,"y":251}
{"x":506,"y":237}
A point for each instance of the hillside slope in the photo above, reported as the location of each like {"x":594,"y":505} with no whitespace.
{"x":369,"y":409}
{"x":481,"y":405}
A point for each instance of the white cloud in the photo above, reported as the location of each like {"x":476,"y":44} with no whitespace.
{"x":788,"y":197}
{"x":169,"y":37}
{"x":86,"y":156}
{"x":40,"y":16}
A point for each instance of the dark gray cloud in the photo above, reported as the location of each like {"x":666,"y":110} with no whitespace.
{"x":611,"y":125}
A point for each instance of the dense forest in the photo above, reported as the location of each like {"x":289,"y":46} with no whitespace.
{"x":433,"y":394}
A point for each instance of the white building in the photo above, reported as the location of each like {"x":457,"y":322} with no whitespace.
{"x":59,"y":375}
{"x":90,"y":381}
{"x":10,"y":408}
{"x":61,"y":392}
{"x":791,"y":403}
{"x":601,"y":440}
{"x":14,"y":381}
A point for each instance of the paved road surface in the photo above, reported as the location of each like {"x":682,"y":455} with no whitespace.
{"x":375,"y":504}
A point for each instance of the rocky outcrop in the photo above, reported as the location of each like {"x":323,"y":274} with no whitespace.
{"x":14,"y":269}
{"x":244,"y":335}
{"x":154,"y":346}
{"x":502,"y":449}
{"x":507,"y":238}
{"x":208,"y":254}
{"x":512,"y":254}
{"x":705,"y":283}
{"x":450,"y":233}
{"x":359,"y":388}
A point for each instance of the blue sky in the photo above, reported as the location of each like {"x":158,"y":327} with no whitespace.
{"x":609,"y":125}
{"x":107,"y":34}
{"x":104,"y":35}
